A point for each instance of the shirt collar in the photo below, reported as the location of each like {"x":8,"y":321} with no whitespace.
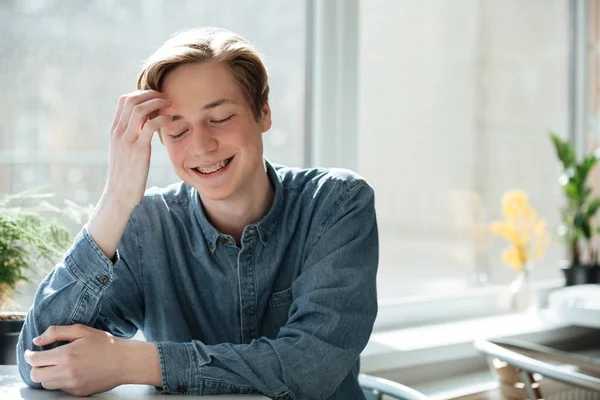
{"x":265,"y":226}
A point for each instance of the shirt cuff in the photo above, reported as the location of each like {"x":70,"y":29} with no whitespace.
{"x":179,"y":368}
{"x":89,"y":264}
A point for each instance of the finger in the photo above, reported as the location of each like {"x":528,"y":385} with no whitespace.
{"x":44,"y":374}
{"x":133,"y":100}
{"x":53,"y":385}
{"x":42,"y":358}
{"x":153,"y":125}
{"x":42,"y":340}
{"x":64,"y":384}
{"x":118,"y":112}
{"x":139,"y":115}
{"x":58,"y":333}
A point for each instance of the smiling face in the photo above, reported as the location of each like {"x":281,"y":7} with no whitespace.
{"x":215,"y":141}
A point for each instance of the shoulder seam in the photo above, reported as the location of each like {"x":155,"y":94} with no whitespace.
{"x":351,"y":187}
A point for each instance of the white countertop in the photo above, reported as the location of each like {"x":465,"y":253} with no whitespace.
{"x":12,"y":387}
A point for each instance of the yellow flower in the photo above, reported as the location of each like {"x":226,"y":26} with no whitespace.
{"x":513,"y":257}
{"x":528,"y":236}
{"x":515,"y":203}
{"x":506,"y":229}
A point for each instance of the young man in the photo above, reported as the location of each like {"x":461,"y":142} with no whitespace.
{"x":244,"y":278}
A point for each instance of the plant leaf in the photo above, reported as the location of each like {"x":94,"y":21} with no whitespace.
{"x":564,"y":151}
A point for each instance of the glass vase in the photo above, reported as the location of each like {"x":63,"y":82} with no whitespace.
{"x":523,"y":295}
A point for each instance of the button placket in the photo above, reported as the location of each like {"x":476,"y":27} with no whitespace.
{"x":247,"y":282}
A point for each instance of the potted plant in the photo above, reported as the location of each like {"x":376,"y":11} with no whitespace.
{"x":578,"y":228}
{"x":31,"y":239}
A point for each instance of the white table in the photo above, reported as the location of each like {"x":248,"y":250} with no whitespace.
{"x":12,"y":387}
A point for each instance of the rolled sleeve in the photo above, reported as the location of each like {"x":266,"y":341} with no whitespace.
{"x":179,"y":367}
{"x":89,"y":264}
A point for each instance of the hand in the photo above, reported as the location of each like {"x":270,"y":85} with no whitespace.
{"x":130,"y":144}
{"x":92,"y":362}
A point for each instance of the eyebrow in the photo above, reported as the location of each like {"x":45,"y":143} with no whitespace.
{"x":208,"y":106}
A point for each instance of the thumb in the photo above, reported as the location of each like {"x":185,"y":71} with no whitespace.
{"x":66,"y":333}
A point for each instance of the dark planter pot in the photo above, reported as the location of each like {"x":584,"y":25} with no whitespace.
{"x":581,"y":274}
{"x":9,"y":334}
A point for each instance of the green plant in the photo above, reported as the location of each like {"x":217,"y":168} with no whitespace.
{"x":578,"y":227}
{"x":31,"y":236}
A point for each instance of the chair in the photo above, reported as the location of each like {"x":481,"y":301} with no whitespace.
{"x":375,"y":388}
{"x":524,"y":370}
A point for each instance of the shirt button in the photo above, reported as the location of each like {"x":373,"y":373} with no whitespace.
{"x":181,"y":389}
{"x":210,"y":245}
{"x":265,"y":238}
{"x":224,"y":240}
{"x":104,"y":280}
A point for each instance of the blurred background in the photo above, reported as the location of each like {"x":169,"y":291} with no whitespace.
{"x":441,"y":105}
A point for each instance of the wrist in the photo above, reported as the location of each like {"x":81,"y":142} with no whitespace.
{"x":108,"y":222}
{"x":111,"y":200}
{"x":139,"y":363}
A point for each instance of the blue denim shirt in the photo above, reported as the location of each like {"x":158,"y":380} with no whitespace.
{"x":286,"y":314}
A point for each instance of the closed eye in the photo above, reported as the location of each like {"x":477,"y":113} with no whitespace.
{"x":221,"y":121}
{"x":175,"y":137}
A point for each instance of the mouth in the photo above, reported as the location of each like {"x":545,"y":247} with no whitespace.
{"x":214,"y":168}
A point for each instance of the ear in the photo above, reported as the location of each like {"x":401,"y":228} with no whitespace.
{"x":265,"y":120}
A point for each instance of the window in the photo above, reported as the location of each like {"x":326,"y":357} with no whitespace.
{"x":455,"y":103}
{"x":63,"y":66}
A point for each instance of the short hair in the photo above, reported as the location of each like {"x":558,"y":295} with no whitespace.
{"x":210,"y":44}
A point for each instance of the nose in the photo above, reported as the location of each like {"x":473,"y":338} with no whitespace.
{"x":202,"y":141}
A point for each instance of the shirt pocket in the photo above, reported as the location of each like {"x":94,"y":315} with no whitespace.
{"x":279,"y":306}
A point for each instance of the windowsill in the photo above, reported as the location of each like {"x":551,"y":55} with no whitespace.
{"x":427,"y":356}
{"x":408,"y":312}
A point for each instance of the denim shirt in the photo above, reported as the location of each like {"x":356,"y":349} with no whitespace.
{"x":285,"y":314}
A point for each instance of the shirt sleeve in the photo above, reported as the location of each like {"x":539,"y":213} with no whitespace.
{"x":86,"y":288}
{"x":330,"y":320}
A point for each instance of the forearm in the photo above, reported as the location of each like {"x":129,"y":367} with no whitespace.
{"x":108,"y":222}
{"x":70,"y":294}
{"x":301,"y":366}
{"x":46,"y":311}
{"x":60,"y":300}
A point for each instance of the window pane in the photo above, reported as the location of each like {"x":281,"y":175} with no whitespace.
{"x":456,"y":100}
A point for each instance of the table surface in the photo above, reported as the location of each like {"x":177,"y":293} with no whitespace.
{"x":12,"y":387}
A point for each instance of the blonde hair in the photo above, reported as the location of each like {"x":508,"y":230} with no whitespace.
{"x":210,"y":44}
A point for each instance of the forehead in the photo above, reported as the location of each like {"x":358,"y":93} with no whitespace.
{"x":200,"y":82}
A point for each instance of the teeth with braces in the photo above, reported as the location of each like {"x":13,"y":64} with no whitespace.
{"x":214,"y":168}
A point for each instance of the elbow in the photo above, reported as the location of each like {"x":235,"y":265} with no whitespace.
{"x":24,"y":368}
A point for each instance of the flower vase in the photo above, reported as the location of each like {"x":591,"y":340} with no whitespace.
{"x":523,"y":296}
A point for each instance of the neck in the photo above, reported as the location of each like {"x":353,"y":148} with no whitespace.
{"x":247,"y":206}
